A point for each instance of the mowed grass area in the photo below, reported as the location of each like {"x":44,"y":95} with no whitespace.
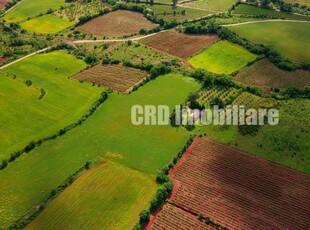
{"x":264,"y":73}
{"x":223,"y":57}
{"x":46,"y":24}
{"x":253,"y":10}
{"x":291,"y":39}
{"x":32,"y":8}
{"x":26,"y":117}
{"x":117,"y":23}
{"x":108,"y":133}
{"x":109,"y":196}
{"x":212,"y":5}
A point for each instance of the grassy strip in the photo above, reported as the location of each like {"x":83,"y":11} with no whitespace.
{"x":34,"y":144}
{"x":163,"y":191}
{"x":35,"y":211}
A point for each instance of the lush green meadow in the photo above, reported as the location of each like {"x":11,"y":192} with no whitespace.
{"x":109,"y":196}
{"x":253,"y":10}
{"x":291,"y":39}
{"x":223,"y":57}
{"x":212,"y":5}
{"x":32,"y":8}
{"x":28,"y":118}
{"x":46,"y":24}
{"x":108,"y":133}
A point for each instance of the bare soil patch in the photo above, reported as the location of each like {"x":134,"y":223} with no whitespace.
{"x":3,"y":2}
{"x":170,"y":218}
{"x":240,"y":191}
{"x":178,"y":44}
{"x":3,"y":59}
{"x":117,"y":23}
{"x":263,"y":73}
{"x":117,"y":77}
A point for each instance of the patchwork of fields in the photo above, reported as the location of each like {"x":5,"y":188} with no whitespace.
{"x":212,"y":183}
{"x":71,"y":156}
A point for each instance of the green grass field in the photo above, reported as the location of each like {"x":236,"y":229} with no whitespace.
{"x":32,"y":8}
{"x":108,"y":133}
{"x":222,"y":57}
{"x":27,"y":118}
{"x":212,"y":5}
{"x":109,"y":196}
{"x":46,"y":24}
{"x":253,"y":10}
{"x":291,"y":39}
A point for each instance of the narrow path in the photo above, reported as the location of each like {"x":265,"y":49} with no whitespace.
{"x":27,"y":56}
{"x":260,"y":21}
{"x":12,"y":7}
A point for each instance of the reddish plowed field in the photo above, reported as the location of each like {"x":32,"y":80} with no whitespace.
{"x":3,"y":2}
{"x":240,"y":191}
{"x":3,"y":59}
{"x":117,"y":23}
{"x":178,"y":44}
{"x":171,"y":218}
{"x":116,"y":77}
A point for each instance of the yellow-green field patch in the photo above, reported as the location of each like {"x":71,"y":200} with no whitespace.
{"x":223,"y":57}
{"x":109,"y":196}
{"x":46,"y":24}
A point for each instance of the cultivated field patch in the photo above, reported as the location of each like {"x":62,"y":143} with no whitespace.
{"x":32,"y":8}
{"x":171,"y":217}
{"x":46,"y":24}
{"x":117,"y":23}
{"x":99,"y":199}
{"x":116,"y":77}
{"x":56,"y":103}
{"x":291,"y":39}
{"x":264,"y":74}
{"x":222,"y":57}
{"x":179,"y":44}
{"x":240,"y":191}
{"x":211,"y":5}
{"x":53,"y":161}
{"x":253,"y":10}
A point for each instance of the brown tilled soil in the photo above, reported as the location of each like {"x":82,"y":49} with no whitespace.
{"x":117,"y":23}
{"x":3,"y":59}
{"x":3,"y":2}
{"x":171,"y":218}
{"x":116,"y":77}
{"x":263,"y":73}
{"x":178,"y":44}
{"x":240,"y":191}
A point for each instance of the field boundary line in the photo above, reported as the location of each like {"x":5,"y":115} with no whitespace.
{"x":22,"y":58}
{"x":261,"y":21}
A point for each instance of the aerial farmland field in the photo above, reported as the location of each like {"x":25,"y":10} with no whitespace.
{"x":154,"y":115}
{"x":265,"y":74}
{"x":116,"y":77}
{"x":47,"y":24}
{"x":64,"y":100}
{"x":32,"y":8}
{"x":103,"y":131}
{"x":105,"y":194}
{"x":289,"y":38}
{"x":222,"y":57}
{"x":178,"y":44}
{"x":238,"y":197}
{"x":117,"y":23}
